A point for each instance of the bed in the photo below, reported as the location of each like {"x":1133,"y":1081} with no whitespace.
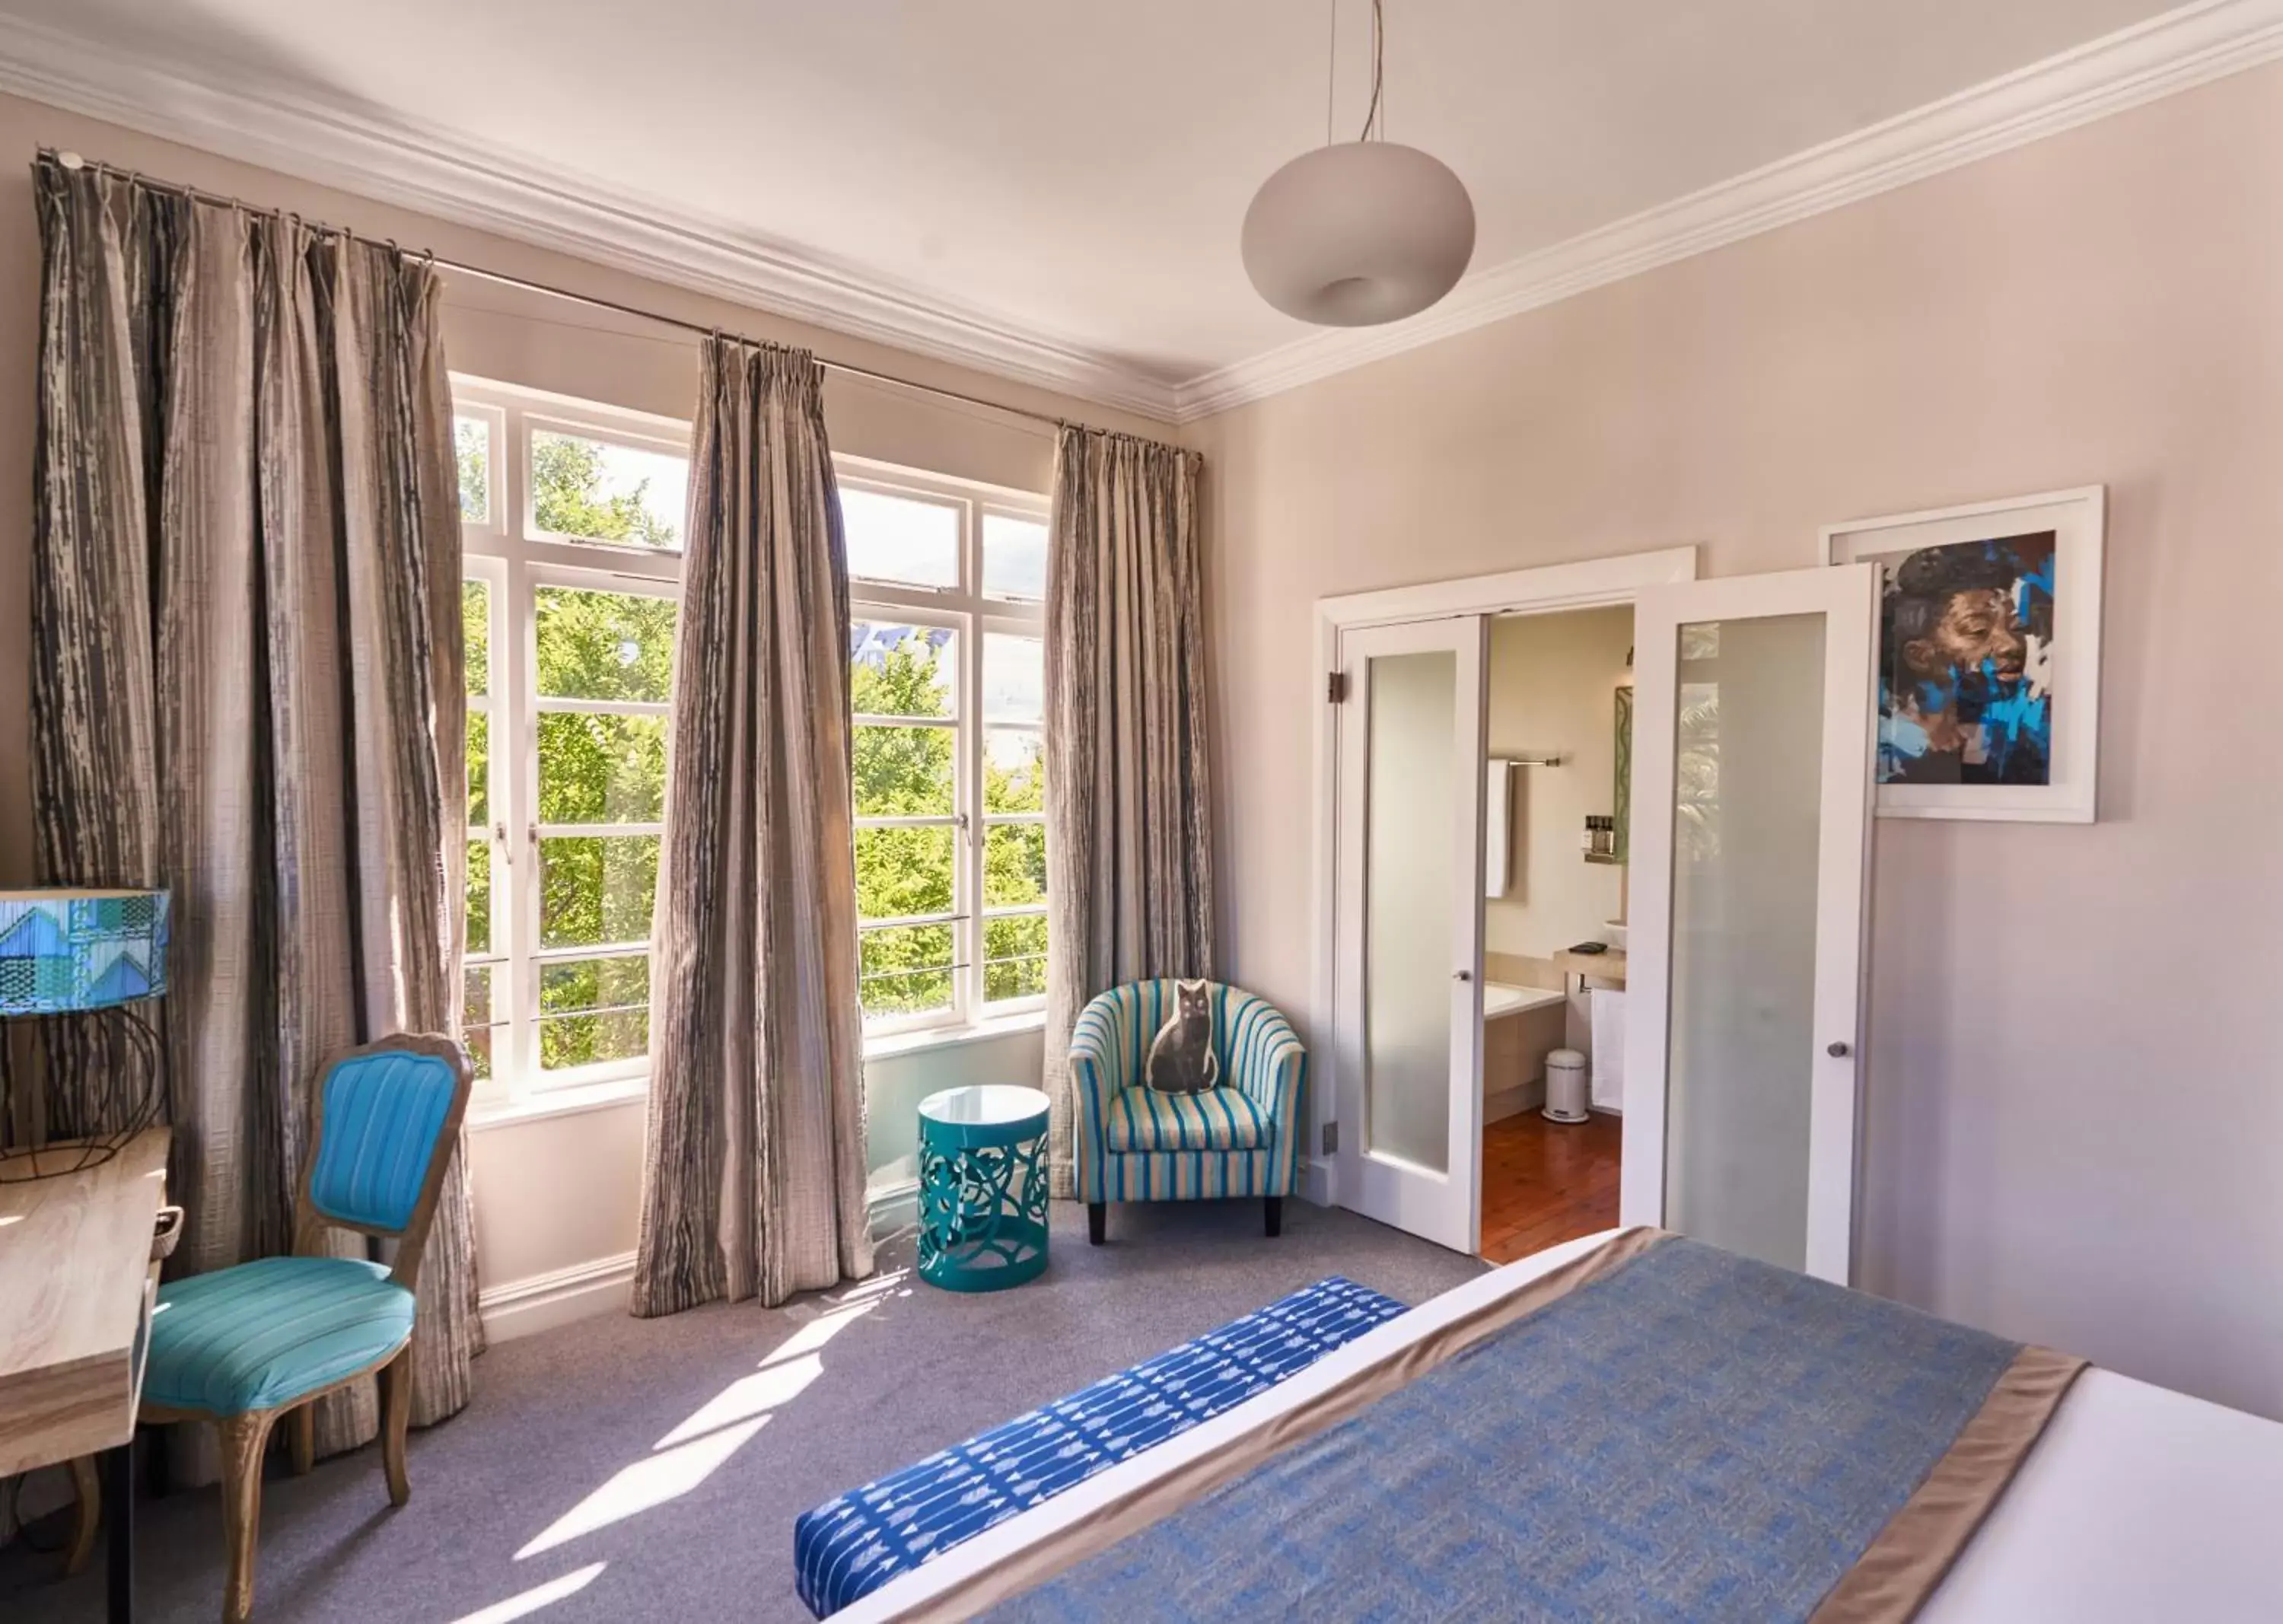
{"x":2125,"y":1503}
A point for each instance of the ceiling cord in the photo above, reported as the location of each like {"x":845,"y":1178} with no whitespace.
{"x":1372,"y":115}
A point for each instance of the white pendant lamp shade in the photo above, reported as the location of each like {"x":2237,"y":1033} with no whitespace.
{"x":1359,"y":233}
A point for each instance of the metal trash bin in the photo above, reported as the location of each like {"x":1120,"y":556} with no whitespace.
{"x":1566,"y":1086}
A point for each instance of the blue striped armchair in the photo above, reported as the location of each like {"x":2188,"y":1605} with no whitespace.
{"x":1242,"y":1138}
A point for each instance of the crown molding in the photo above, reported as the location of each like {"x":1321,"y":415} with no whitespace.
{"x":2174,"y":51}
{"x":434,"y":173}
{"x":438,"y":173}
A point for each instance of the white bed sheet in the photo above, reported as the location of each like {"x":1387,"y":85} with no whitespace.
{"x":2137,"y":1504}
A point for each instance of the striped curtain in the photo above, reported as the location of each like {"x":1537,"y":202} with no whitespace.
{"x":246,"y":680}
{"x":754,"y":1185}
{"x":1129,"y":837}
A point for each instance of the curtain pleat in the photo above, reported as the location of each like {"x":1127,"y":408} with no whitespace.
{"x":1129,"y":836}
{"x":245,"y":675}
{"x":755,"y":1181}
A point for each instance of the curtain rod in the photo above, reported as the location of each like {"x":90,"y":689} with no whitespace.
{"x":73,"y":161}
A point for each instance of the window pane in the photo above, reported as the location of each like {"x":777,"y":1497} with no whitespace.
{"x":596,"y":890}
{"x":904,"y":871}
{"x":1014,"y":957}
{"x":601,"y":769}
{"x":480,"y":896}
{"x":476,"y":1017}
{"x":1014,"y":771}
{"x":904,"y":971}
{"x":1014,"y":678}
{"x":895,"y":538}
{"x":479,"y":769}
{"x":1013,"y":556}
{"x":593,"y":1009}
{"x":904,"y":772}
{"x":903,"y":670}
{"x":476,"y":633}
{"x":471,"y":441}
{"x":1014,"y":864}
{"x":594,"y":491}
{"x":604,"y":646}
{"x":586,"y":986}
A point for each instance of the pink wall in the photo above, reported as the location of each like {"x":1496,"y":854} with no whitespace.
{"x":2075,"y":1128}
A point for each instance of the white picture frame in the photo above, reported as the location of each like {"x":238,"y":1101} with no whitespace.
{"x":2078,"y":521}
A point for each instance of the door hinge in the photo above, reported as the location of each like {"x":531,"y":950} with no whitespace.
{"x":1335,"y":687}
{"x":1331,"y":1137}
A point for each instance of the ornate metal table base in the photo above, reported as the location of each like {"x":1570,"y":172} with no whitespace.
{"x":983,"y":1188}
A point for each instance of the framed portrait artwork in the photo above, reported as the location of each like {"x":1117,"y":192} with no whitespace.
{"x":1988,"y":681}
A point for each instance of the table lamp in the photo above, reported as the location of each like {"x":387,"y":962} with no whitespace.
{"x":72,"y":951}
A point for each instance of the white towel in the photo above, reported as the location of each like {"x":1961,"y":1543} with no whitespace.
{"x":1609,"y":1048}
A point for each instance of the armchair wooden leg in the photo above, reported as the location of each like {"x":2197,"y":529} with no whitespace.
{"x":304,"y":1437}
{"x":1097,"y":1216}
{"x":88,"y":1492}
{"x":1276,"y":1216}
{"x":395,"y":1416}
{"x":244,"y":1440}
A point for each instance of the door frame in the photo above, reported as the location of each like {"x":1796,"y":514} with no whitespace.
{"x":1549,"y":589}
{"x":1848,"y":598}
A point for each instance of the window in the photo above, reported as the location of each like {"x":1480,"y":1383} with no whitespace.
{"x":572,"y":517}
{"x":946,"y":674}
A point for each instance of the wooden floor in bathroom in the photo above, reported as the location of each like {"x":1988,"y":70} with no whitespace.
{"x":1545,"y":1183}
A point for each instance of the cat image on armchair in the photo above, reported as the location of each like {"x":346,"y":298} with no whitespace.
{"x":1181,"y":1057}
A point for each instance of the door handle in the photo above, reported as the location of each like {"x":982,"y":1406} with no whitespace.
{"x":1839,"y":1051}
{"x":1462,"y":975}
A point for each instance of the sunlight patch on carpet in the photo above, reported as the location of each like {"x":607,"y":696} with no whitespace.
{"x":528,"y":1602}
{"x":717,"y":1429}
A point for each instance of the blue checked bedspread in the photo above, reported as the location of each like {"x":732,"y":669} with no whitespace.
{"x":852,"y":1545}
{"x":1694,"y":1438}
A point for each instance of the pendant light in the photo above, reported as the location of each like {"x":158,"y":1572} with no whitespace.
{"x":1359,"y":232}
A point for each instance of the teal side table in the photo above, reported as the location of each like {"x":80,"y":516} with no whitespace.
{"x":983,"y":1187}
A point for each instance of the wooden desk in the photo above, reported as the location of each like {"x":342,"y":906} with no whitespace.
{"x":77,"y":1282}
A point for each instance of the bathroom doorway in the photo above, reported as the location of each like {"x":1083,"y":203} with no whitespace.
{"x":1402,"y":772}
{"x":1557,"y":728}
{"x":1745,"y":841}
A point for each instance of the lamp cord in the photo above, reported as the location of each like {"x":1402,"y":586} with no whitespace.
{"x":1372,"y":114}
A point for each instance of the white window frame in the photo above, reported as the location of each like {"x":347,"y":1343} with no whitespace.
{"x":508,"y":551}
{"x":970,"y":613}
{"x":516,"y":560}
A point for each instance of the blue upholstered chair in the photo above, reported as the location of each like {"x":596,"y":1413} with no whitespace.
{"x":243,"y":1347}
{"x":1242,"y":1138}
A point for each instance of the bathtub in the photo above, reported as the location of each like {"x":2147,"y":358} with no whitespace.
{"x":1521,"y":1026}
{"x":1500,"y":998}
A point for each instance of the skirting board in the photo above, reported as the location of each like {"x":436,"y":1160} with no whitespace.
{"x":1501,"y":1104}
{"x":892,"y":1206}
{"x":520,"y":1308}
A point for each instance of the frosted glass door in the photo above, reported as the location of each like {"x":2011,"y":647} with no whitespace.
{"x":1409,"y":948}
{"x":1410,"y":864}
{"x":1751,"y":783}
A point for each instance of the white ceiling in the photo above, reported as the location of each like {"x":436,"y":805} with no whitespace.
{"x":1075,"y":172}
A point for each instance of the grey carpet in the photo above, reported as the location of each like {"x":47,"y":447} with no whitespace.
{"x":558,"y":1416}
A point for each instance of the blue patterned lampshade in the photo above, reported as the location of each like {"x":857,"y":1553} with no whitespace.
{"x":64,"y":948}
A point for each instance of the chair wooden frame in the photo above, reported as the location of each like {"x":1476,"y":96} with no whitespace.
{"x":245,"y":1436}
